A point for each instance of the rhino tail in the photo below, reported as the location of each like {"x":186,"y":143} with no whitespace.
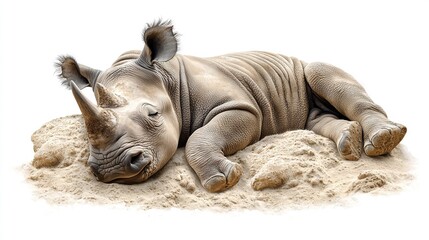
{"x":69,"y":70}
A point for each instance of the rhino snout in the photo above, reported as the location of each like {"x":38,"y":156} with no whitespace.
{"x":133,"y":163}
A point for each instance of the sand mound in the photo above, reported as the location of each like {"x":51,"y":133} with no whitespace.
{"x":293,"y":169}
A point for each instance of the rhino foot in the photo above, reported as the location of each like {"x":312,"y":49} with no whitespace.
{"x":349,"y":144}
{"x":383,"y":138}
{"x":222,"y":181}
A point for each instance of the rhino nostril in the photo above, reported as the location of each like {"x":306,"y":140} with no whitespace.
{"x":138,"y":161}
{"x":135,"y":159}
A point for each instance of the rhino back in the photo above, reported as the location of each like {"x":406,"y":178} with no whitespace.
{"x":271,"y":86}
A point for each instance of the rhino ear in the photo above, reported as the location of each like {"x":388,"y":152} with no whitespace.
{"x":68,"y":70}
{"x":160,"y":43}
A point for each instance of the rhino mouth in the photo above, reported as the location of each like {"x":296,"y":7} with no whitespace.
{"x":138,"y":177}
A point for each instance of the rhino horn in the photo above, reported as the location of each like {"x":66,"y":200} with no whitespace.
{"x":100,"y":123}
{"x":108,"y":99}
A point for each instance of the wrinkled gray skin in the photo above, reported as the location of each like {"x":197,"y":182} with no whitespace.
{"x":152,"y":101}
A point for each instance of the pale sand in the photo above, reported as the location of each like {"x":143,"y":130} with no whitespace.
{"x":290,"y":170}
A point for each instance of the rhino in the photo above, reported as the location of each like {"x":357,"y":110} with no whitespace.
{"x":150,"y":102}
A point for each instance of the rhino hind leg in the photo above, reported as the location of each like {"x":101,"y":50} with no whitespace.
{"x":350,"y":99}
{"x":347,"y":135}
{"x":384,"y":137}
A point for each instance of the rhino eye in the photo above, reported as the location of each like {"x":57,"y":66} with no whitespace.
{"x":151,"y":111}
{"x":153,"y":114}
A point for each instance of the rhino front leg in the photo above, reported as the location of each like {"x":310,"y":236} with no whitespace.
{"x":227,"y":133}
{"x":344,"y":93}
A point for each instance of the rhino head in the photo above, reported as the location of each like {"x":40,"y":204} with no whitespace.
{"x":133,"y":130}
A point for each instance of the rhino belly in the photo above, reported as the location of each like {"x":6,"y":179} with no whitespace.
{"x":278,"y":86}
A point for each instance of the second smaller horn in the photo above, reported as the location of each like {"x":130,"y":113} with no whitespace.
{"x":108,"y":99}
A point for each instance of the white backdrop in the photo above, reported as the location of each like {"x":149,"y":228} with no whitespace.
{"x":384,"y":44}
